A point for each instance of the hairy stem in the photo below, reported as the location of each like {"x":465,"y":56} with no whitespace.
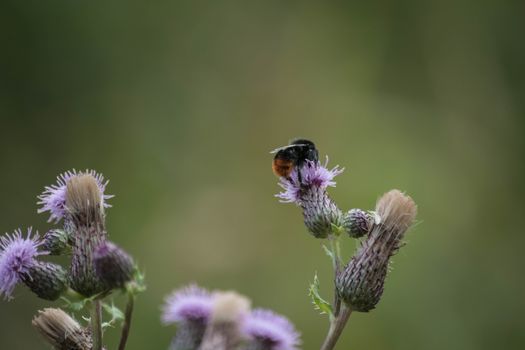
{"x":96,"y":324}
{"x":127,"y":322}
{"x":336,"y":328}
{"x":336,"y":262}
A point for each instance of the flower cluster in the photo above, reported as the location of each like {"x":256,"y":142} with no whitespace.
{"x":97,"y":266}
{"x":359,"y":284}
{"x":223,"y":320}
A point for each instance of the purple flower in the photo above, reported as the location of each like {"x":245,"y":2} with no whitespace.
{"x":313,"y":174}
{"x":53,"y":199}
{"x":187,"y":304}
{"x":17,"y":256}
{"x":273,"y":331}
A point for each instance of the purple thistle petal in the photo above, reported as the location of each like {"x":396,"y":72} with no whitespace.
{"x":187,"y":304}
{"x":53,"y":199}
{"x":312,"y":174}
{"x":274,"y":330}
{"x":17,"y":256}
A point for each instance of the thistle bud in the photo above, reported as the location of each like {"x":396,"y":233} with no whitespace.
{"x":57,"y":242}
{"x":360,"y":284}
{"x":47,"y":280}
{"x":357,"y":223}
{"x":306,"y":186}
{"x":113,"y":266}
{"x":224,"y":330}
{"x":62,"y":331}
{"x":85,"y":214}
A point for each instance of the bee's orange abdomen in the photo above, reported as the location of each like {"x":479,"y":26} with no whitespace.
{"x":282,"y":167}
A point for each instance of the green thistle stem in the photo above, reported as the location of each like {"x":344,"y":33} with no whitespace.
{"x":96,"y":324}
{"x":336,"y":263}
{"x":127,"y":322}
{"x":336,"y":328}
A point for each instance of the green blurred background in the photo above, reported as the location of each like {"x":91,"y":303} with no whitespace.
{"x":179,"y":103}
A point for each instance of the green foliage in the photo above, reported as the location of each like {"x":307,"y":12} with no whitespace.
{"x":114,"y":312}
{"x":319,"y":303}
{"x":137,"y":284}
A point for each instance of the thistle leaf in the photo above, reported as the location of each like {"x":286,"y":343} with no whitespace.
{"x":115,"y":313}
{"x":337,"y":229}
{"x":328,"y":252}
{"x":319,"y":303}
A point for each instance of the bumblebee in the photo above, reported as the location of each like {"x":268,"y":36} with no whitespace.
{"x":294,"y":155}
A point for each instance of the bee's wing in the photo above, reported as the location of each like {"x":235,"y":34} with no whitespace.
{"x":285,"y":147}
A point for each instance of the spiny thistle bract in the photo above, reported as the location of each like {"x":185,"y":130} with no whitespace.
{"x":47,"y":280}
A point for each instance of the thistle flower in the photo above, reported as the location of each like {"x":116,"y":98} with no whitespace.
{"x":361,"y":282}
{"x":47,"y":280}
{"x":267,"y":330}
{"x":306,"y":187}
{"x":188,"y":303}
{"x":53,"y":199}
{"x":113,"y":266}
{"x":85,"y":216}
{"x":190,"y":308}
{"x":17,"y":257}
{"x":62,"y":331}
{"x":224,"y":330}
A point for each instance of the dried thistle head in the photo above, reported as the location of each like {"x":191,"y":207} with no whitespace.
{"x":62,"y":331}
{"x":360,"y":284}
{"x":397,"y":212}
{"x":229,"y":309}
{"x":84,"y":200}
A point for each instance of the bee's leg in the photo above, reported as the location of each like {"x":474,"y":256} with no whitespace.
{"x":299,"y":175}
